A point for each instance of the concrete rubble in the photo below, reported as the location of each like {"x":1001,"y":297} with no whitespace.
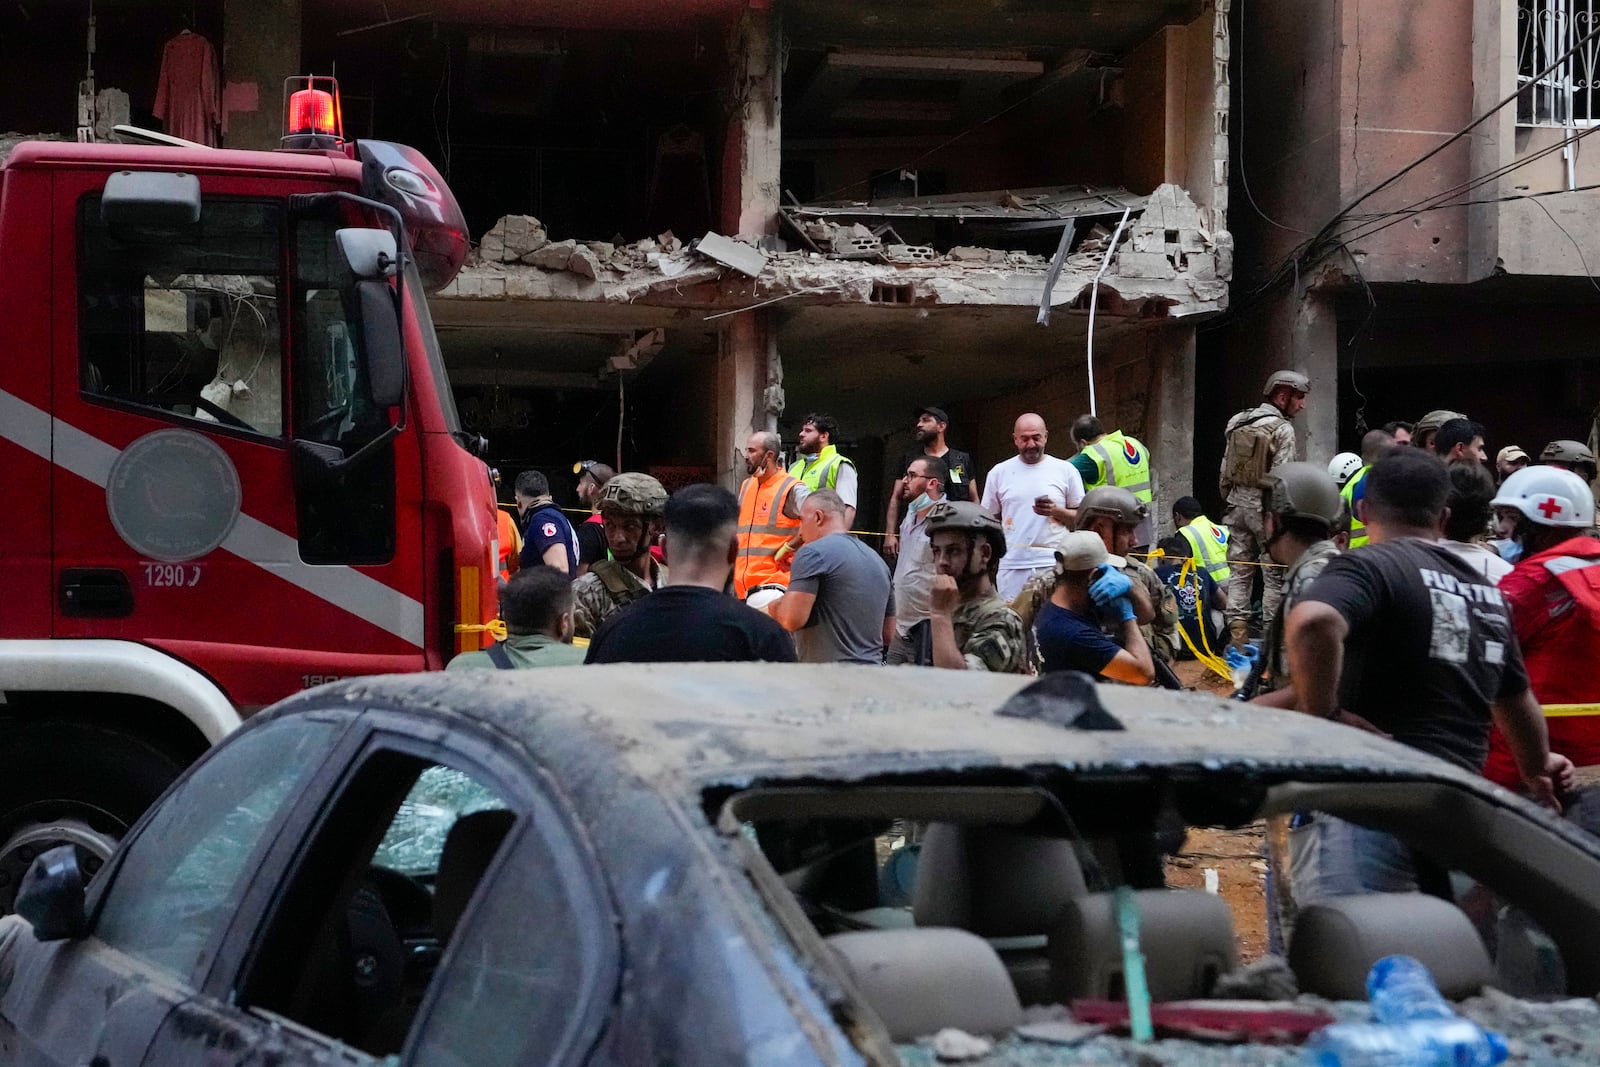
{"x":1167,"y":262}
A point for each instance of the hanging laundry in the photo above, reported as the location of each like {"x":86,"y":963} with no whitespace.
{"x":187,"y":97}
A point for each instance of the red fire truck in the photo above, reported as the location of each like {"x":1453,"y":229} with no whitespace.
{"x":229,"y":456}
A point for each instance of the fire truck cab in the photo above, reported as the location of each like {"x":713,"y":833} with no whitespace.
{"x":231,"y":460}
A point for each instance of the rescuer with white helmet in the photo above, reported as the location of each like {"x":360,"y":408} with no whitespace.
{"x":1554,"y":596}
{"x":1343,"y":467}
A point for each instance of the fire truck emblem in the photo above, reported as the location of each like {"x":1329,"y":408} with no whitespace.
{"x":173,"y":495}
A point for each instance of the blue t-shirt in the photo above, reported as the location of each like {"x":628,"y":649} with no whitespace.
{"x":1069,"y":641}
{"x":546,"y":526}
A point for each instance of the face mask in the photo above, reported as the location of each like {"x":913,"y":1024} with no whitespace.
{"x":1510,"y":551}
{"x":920,"y":503}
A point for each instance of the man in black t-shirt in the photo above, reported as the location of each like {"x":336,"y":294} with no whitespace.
{"x":961,"y":476}
{"x":547,"y":536}
{"x":1403,"y":638}
{"x":691,"y":618}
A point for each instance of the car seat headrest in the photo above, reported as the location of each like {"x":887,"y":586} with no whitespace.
{"x":1337,"y":940}
{"x":1186,"y":937}
{"x":922,"y":980}
{"x":468,"y":849}
{"x":994,"y":881}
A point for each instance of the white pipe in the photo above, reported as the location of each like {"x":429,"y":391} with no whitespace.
{"x":1094,"y":301}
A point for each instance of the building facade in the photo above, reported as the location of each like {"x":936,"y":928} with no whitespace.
{"x":707,"y":217}
{"x":1416,"y":213}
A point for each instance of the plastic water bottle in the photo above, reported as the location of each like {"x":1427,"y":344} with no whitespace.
{"x":1453,"y":1042}
{"x":1401,"y":990}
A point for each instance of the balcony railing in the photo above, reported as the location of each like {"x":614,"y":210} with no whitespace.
{"x":1568,"y":94}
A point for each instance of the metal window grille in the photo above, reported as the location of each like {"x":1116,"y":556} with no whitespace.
{"x":1568,"y":94}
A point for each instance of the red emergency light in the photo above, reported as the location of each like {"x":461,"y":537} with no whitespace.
{"x":311,"y":113}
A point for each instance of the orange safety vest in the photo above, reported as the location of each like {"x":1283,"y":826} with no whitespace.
{"x":510,"y":543}
{"x":763,"y":529}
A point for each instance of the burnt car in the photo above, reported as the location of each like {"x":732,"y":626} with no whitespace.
{"x":709,"y":864}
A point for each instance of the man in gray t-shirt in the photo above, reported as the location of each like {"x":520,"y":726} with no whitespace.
{"x":840,"y":603}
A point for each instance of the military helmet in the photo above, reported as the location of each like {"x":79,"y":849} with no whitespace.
{"x":1110,"y":502}
{"x":633,"y":494}
{"x":1431,"y":422}
{"x":1566,"y":452}
{"x":1292,"y":378}
{"x":968,"y":517}
{"x":1301,"y":490}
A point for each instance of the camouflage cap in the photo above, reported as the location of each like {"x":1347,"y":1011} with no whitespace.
{"x":633,"y":494}
{"x":1431,"y":422}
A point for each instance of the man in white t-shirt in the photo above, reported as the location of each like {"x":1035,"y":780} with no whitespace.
{"x":1036,"y":497}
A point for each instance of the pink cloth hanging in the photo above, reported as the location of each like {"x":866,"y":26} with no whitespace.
{"x":187,"y":99}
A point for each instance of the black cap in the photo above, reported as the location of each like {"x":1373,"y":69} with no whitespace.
{"x":937,"y":413}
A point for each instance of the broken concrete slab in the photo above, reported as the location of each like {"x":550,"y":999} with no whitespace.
{"x":601,"y":249}
{"x":741,"y":257}
{"x":584,"y":262}
{"x":553,"y":256}
{"x":1148,"y":239}
{"x":1201,"y":265}
{"x":974,"y":254}
{"x":1144,"y":265}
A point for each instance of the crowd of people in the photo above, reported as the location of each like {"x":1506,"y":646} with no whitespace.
{"x":1410,"y":589}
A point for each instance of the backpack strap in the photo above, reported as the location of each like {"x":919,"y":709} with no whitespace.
{"x":500,"y":657}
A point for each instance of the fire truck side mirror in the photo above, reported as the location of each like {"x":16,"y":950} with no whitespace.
{"x":151,"y":202}
{"x":370,"y":254}
{"x":380,"y":328}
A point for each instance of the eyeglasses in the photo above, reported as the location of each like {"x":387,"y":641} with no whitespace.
{"x":914,"y":474}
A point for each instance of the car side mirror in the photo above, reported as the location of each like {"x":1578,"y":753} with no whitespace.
{"x":51,"y":897}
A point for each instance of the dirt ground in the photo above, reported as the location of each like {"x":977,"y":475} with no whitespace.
{"x":1236,"y":855}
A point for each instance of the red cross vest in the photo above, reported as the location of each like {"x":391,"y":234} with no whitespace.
{"x":1555,"y":606}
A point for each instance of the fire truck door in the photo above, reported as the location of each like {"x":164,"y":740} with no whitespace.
{"x":180,"y":524}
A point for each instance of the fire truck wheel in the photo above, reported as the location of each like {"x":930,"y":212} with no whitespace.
{"x":72,"y":782}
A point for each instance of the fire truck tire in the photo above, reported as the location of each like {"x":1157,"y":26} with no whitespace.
{"x":72,"y":781}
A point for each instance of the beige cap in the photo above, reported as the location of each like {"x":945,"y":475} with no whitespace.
{"x":1083,"y":550}
{"x":1509,"y":454}
{"x":1431,"y":422}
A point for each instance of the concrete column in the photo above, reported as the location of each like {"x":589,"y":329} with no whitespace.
{"x":1171,"y":430}
{"x":1314,"y":350}
{"x":749,"y":388}
{"x":260,"y":48}
{"x":754,"y":151}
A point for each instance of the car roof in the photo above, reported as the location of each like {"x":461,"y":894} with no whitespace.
{"x":693,"y":725}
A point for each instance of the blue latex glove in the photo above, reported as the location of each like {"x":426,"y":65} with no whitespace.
{"x":1242,"y":659}
{"x":1119,"y":610}
{"x":1108,"y":586}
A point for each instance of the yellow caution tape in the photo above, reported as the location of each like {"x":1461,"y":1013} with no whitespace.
{"x":1208,"y":658}
{"x":1564,"y":711}
{"x":496,"y":628}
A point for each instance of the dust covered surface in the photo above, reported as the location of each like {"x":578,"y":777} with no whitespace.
{"x":1565,"y":1032}
{"x":684,"y":726}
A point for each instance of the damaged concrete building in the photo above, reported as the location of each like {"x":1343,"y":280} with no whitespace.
{"x":705,"y":217}
{"x":1424,"y":228}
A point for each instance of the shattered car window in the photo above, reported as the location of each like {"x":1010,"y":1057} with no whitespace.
{"x":416,"y":837}
{"x":184,"y":874}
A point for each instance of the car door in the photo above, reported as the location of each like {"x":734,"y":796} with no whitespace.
{"x":162,"y":907}
{"x":403,"y":923}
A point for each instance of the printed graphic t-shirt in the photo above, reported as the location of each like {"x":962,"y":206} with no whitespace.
{"x":1430,"y":645}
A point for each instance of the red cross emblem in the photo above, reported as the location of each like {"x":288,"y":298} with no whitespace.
{"x":1551,"y":507}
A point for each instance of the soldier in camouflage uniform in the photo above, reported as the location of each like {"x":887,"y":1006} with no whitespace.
{"x":969,"y":626}
{"x":1259,"y":440}
{"x":1300,"y":507}
{"x":632,"y":507}
{"x":1116,"y":514}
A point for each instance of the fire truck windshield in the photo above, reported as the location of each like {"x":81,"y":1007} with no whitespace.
{"x":441,"y":379}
